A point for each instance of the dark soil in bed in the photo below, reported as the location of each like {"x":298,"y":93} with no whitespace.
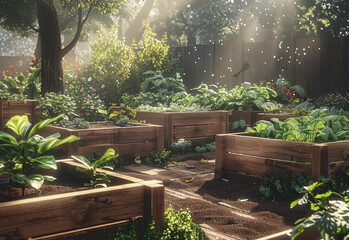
{"x":63,"y":184}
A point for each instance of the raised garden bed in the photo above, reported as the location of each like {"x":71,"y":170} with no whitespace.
{"x":129,"y":197}
{"x":188,"y":125}
{"x":245,"y":153}
{"x":129,"y":141}
{"x":9,"y":109}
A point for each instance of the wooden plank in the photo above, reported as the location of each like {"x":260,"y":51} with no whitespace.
{"x":160,"y":138}
{"x":270,"y":148}
{"x":154,"y":203}
{"x":198,"y":118}
{"x":45,"y":215}
{"x":255,"y":165}
{"x":194,"y":131}
{"x":269,"y":116}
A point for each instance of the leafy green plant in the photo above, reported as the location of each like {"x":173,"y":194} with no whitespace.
{"x":271,"y":107}
{"x":127,"y":115}
{"x":178,"y":225}
{"x":159,"y":159}
{"x":96,"y":179}
{"x":173,"y":107}
{"x":155,"y":89}
{"x":316,"y":127}
{"x":340,"y":101}
{"x":28,"y":151}
{"x":53,"y":104}
{"x":240,"y":124}
{"x":283,"y":185}
{"x":209,"y":147}
{"x":76,"y":123}
{"x":331,"y":216}
{"x":182,"y":146}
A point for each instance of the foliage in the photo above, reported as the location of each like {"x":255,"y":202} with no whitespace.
{"x":240,"y":124}
{"x":316,"y":127}
{"x":18,"y":86}
{"x":283,"y":185}
{"x":208,"y":147}
{"x":153,"y":54}
{"x":271,"y":107}
{"x":333,"y":100}
{"x":173,"y":107}
{"x":286,"y":94}
{"x":111,"y":64}
{"x":118,"y":68}
{"x":178,"y":225}
{"x":111,"y":164}
{"x":95,"y":178}
{"x":119,"y":117}
{"x":28,"y":151}
{"x":331,"y":209}
{"x":76,"y":123}
{"x":84,"y":95}
{"x":159,"y":159}
{"x":52,"y":104}
{"x":181,"y":146}
{"x":155,"y":89}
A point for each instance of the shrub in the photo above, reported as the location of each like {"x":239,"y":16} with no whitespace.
{"x":333,"y":100}
{"x":53,"y":104}
{"x":111,"y":64}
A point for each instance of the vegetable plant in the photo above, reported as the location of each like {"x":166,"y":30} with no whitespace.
{"x":95,"y":178}
{"x":28,"y":151}
{"x":121,"y":117}
{"x":317,"y":127}
{"x":331,"y":211}
{"x":159,"y":159}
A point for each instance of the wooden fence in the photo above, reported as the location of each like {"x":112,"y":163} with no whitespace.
{"x":318,"y":64}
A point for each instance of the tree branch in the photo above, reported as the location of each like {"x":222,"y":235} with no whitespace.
{"x":78,"y":31}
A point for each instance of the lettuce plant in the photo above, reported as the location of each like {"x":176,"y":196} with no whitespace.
{"x":28,"y":151}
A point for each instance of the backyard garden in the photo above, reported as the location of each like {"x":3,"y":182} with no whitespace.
{"x":208,"y":119}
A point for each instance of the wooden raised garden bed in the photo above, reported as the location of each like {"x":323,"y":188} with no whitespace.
{"x":129,"y":141}
{"x":245,"y":153}
{"x":188,"y":125}
{"x":41,"y":216}
{"x":9,"y":109}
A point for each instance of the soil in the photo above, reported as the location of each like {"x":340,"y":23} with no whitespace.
{"x":61,"y":185}
{"x":234,"y":208}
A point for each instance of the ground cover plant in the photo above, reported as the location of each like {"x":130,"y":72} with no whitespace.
{"x":183,"y":146}
{"x":317,"y":127}
{"x":178,"y":225}
{"x":28,"y":151}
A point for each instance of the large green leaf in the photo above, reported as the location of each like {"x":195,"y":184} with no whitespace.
{"x":48,"y":145}
{"x":21,"y":179}
{"x":46,"y":162}
{"x":36,"y":180}
{"x":42,"y":124}
{"x":107,"y":156}
{"x":316,"y":124}
{"x":18,"y":124}
{"x":83,"y":160}
{"x":43,"y":140}
{"x":9,"y":139}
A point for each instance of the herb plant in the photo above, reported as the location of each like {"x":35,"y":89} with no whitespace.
{"x":28,"y":151}
{"x":96,"y":179}
{"x":127,"y":115}
{"x":182,"y":146}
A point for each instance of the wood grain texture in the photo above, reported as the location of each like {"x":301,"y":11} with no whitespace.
{"x":128,"y":142}
{"x":9,"y":109}
{"x":47,"y":215}
{"x":190,"y":125}
{"x":251,"y":155}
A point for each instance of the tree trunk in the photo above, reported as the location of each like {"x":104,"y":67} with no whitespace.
{"x":51,"y":46}
{"x":37,"y":52}
{"x":136,"y":25}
